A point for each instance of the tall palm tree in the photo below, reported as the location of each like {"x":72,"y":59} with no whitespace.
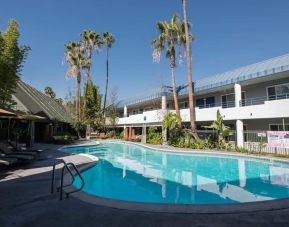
{"x":90,"y":39}
{"x":169,"y":37}
{"x":189,"y":72}
{"x":108,"y":40}
{"x":75,"y":58}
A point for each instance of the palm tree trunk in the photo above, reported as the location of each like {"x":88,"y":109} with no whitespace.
{"x":175,"y":91}
{"x":173,"y":65}
{"x":106,"y":85}
{"x":189,"y":75}
{"x":88,"y":69}
{"x":78,"y":96}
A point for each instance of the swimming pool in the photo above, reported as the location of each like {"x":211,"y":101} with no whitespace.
{"x":138,"y":174}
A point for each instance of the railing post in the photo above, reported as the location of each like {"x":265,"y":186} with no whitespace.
{"x":61,"y":182}
{"x":53,"y":174}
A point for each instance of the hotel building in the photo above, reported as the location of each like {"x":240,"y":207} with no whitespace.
{"x":254,"y":97}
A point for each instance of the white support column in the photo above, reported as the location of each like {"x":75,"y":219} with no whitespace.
{"x":125,"y":111}
{"x":240,"y":133}
{"x":239,"y":123}
{"x":238,"y":94}
{"x":164,"y":102}
{"x":144,"y":134}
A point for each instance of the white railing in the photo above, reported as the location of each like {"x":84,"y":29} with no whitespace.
{"x":270,"y":109}
{"x":152,"y":116}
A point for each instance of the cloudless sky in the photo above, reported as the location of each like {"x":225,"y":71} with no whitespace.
{"x":228,"y":34}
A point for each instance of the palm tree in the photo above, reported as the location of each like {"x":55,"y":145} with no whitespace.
{"x":170,"y":35}
{"x":90,"y":40}
{"x":189,"y":72}
{"x":108,"y":40}
{"x":75,"y":58}
{"x":222,"y":130}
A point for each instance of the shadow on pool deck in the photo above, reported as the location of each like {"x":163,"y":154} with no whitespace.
{"x":25,"y":200}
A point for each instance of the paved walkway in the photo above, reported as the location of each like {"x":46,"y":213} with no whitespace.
{"x":25,"y":200}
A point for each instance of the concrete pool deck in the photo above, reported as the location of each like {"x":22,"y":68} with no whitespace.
{"x":25,"y":200}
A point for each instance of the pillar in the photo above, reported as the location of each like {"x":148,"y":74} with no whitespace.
{"x":129,"y":133}
{"x":125,"y":111}
{"x":239,"y":123}
{"x":144,"y":134}
{"x":164,"y":102}
{"x":132,"y":135}
{"x":240,"y":133}
{"x":238,"y":95}
{"x":125,"y":134}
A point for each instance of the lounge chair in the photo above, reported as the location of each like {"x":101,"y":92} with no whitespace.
{"x":7,"y":161}
{"x":5,"y":149}
{"x":15,"y":148}
{"x":21,"y":157}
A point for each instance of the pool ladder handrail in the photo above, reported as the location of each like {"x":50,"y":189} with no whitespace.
{"x":66,"y":166}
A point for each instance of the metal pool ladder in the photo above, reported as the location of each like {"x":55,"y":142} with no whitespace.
{"x":66,"y":166}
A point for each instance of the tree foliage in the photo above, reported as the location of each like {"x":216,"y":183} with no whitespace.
{"x":75,"y":60}
{"x":49,"y":92}
{"x":172,"y":121}
{"x":222,"y":130}
{"x":154,"y":136}
{"x":171,"y":35}
{"x":12,"y":57}
{"x":92,"y":108}
{"x":111,"y":111}
{"x":89,"y":40}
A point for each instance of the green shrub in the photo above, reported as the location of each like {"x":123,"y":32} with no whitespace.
{"x":112,"y":134}
{"x":154,"y":136}
{"x":241,"y":150}
{"x":121,"y":135}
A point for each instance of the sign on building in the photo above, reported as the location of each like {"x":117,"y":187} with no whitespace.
{"x":278,"y":138}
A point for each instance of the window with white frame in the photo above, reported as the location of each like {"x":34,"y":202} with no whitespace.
{"x":279,"y":91}
{"x":228,"y":100}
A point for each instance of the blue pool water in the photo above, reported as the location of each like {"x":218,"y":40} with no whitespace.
{"x":134,"y":173}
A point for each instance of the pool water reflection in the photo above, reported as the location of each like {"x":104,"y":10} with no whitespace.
{"x":134,"y":173}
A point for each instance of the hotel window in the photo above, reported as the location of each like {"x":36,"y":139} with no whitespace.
{"x":200,"y":103}
{"x":184,"y":105}
{"x":278,"y":92}
{"x":229,"y":100}
{"x":205,"y":102}
{"x":278,"y":127}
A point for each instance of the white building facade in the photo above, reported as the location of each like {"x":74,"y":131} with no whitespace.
{"x":254,"y":97}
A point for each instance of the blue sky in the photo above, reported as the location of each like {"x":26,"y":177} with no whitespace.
{"x":229,"y":34}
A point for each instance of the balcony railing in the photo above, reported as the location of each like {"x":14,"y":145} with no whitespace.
{"x":228,"y":104}
{"x":261,"y":100}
